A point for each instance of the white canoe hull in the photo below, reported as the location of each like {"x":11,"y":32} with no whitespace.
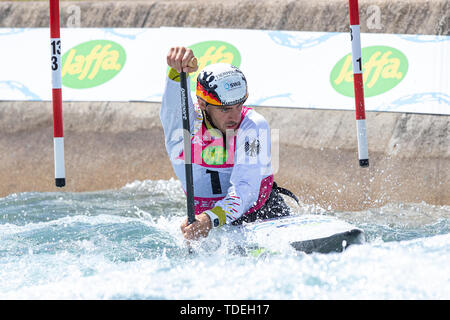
{"x":307,"y":233}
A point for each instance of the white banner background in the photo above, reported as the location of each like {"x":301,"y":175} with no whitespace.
{"x":283,"y":68}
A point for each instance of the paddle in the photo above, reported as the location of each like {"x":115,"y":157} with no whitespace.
{"x":187,"y":143}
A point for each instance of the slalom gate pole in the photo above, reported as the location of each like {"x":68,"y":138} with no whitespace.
{"x":58,"y":136}
{"x":187,"y":148}
{"x":363,"y":152}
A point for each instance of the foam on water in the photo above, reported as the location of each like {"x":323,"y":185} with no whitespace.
{"x":126,"y":244}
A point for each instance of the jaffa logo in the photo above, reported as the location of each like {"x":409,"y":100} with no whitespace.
{"x":92,"y":63}
{"x":215,"y":155}
{"x":383,"y":69}
{"x":210,"y":52}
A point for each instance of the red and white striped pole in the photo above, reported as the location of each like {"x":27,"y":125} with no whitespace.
{"x":363,"y":152}
{"x":58,"y":136}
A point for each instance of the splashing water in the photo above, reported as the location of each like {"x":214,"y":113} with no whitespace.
{"x":126,"y":244}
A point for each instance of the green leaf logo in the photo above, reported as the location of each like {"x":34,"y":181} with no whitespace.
{"x":215,"y":155}
{"x":92,"y":63}
{"x":383,"y":69}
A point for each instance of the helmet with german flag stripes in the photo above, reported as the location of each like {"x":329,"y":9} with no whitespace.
{"x":222,"y":84}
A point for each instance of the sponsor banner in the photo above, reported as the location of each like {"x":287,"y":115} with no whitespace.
{"x":401,"y":73}
{"x":97,"y":64}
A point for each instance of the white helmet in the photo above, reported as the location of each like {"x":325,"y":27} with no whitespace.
{"x":222,"y":84}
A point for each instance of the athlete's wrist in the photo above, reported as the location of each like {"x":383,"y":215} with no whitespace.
{"x":174,"y":75}
{"x":206,"y":220}
{"x":213,"y":219}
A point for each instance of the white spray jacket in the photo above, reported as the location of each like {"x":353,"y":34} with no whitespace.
{"x":230,"y":179}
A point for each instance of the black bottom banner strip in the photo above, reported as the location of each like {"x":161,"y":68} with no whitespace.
{"x":227,"y":309}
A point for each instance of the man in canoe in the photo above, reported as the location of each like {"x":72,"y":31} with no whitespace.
{"x":230,"y":143}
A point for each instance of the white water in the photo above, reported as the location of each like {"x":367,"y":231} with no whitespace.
{"x":126,"y":244}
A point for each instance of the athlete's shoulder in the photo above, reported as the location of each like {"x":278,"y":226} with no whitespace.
{"x":253,"y":120}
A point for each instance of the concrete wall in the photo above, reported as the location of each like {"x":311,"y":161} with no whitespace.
{"x":109,"y":144}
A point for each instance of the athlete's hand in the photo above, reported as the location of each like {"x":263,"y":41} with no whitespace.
{"x":199,"y":228}
{"x":179,"y":58}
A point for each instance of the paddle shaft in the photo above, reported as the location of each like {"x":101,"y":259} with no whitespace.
{"x":187,"y":148}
